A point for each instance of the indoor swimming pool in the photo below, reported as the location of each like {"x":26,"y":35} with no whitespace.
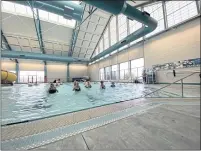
{"x":21,"y":103}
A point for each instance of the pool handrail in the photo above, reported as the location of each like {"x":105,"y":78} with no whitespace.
{"x":171,"y":84}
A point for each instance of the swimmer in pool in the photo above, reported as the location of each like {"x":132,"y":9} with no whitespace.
{"x":88,"y":84}
{"x":76,"y":86}
{"x":112,"y":85}
{"x":102,"y":86}
{"x":59,"y":81}
{"x":52,"y":89}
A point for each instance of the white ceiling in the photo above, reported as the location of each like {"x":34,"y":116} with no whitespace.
{"x":18,"y":25}
{"x":90,"y":32}
{"x":21,"y":35}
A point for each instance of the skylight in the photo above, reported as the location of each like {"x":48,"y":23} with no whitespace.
{"x":22,"y":10}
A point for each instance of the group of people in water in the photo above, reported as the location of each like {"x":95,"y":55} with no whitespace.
{"x":76,"y":86}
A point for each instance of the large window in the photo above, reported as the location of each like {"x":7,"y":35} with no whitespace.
{"x":113,"y":31}
{"x":101,"y":45}
{"x":96,"y":51}
{"x":124,"y":73}
{"x":156,"y":11}
{"x":107,"y":73}
{"x":114,"y":72}
{"x":178,"y":11}
{"x":122,"y":26}
{"x":134,"y":26}
{"x":16,"y":9}
{"x":106,"y":39}
{"x":19,"y":9}
{"x":137,"y":67}
{"x":102,"y":74}
{"x":31,"y":76}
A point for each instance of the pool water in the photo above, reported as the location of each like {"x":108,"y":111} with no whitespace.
{"x":22,"y":103}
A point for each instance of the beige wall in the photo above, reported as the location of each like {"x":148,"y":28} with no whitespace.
{"x":78,"y":70}
{"x":178,"y":44}
{"x":56,"y":71}
{"x":93,"y":72}
{"x":31,"y":66}
{"x":173,"y":45}
{"x":166,"y":76}
{"x":8,"y":65}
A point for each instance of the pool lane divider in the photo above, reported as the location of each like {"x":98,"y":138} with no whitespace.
{"x":36,"y":140}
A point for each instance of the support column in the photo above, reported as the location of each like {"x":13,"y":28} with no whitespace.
{"x":118,"y":71}
{"x":198,"y":6}
{"x":68,"y":73}
{"x":164,"y":14}
{"x":45,"y":73}
{"x":17,"y":72}
{"x":129,"y":69}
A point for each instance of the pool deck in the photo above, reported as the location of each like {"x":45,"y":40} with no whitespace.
{"x":171,"y":123}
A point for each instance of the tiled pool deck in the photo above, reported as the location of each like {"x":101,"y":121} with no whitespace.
{"x":80,"y":125}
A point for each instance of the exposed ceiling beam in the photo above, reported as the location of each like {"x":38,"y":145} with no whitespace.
{"x":92,"y":10}
{"x":102,"y":34}
{"x":37,"y":27}
{"x":7,"y":44}
{"x":75,"y":34}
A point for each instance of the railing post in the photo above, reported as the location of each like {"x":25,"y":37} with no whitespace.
{"x":182,"y":90}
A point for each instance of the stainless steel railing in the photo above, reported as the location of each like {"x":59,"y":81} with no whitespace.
{"x":182,"y":87}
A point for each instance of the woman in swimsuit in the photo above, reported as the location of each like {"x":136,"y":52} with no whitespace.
{"x":102,"y":86}
{"x":52,"y":89}
{"x":76,"y":86}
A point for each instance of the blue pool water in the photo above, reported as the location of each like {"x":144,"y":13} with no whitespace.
{"x":22,"y":103}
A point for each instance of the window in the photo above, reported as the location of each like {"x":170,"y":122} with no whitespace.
{"x":53,"y":17}
{"x":8,"y":6}
{"x":21,"y":9}
{"x":124,"y":74}
{"x":156,"y":11}
{"x":114,"y":72}
{"x":101,"y":45}
{"x":102,"y":75}
{"x":106,"y":39}
{"x":62,"y":20}
{"x":29,"y":11}
{"x":137,"y":67}
{"x":113,"y":31}
{"x":134,"y":26}
{"x":122,"y":25}
{"x":107,"y":73}
{"x":96,"y":51}
{"x":43,"y":14}
{"x":31,"y":76}
{"x":71,"y":23}
{"x":178,"y":11}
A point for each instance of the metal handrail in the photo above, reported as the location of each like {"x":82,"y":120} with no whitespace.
{"x":171,"y":84}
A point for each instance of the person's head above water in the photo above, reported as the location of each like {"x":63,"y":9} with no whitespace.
{"x":112,"y":83}
{"x":51,"y":85}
